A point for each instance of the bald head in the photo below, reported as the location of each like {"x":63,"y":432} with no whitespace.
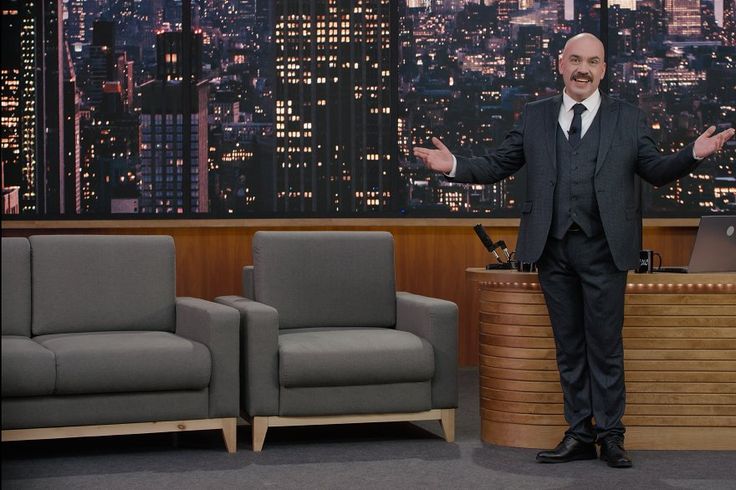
{"x":584,"y":37}
{"x":582,"y":65}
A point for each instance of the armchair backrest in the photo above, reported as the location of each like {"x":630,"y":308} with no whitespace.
{"x":16,"y":286}
{"x":326,"y":279}
{"x":87,"y":283}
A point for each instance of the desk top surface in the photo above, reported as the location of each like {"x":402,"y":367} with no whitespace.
{"x":510,"y":276}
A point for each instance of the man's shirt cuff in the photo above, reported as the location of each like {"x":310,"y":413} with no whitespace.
{"x":452,"y":172}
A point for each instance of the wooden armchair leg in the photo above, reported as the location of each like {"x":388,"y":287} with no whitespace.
{"x":230,"y":434}
{"x":259,"y":426}
{"x":448,"y":424}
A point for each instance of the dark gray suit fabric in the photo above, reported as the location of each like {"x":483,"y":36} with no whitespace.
{"x":626,"y":151}
{"x":583,"y":277}
{"x":16,"y":286}
{"x":574,"y":197}
{"x":584,"y":292}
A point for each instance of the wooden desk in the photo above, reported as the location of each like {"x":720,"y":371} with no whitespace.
{"x":679,"y":354}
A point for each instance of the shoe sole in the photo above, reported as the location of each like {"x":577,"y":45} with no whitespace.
{"x":615,"y":465}
{"x":581,"y":457}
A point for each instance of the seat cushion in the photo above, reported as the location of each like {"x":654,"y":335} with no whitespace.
{"x":28,"y":367}
{"x":115,"y":362}
{"x":352,"y":356}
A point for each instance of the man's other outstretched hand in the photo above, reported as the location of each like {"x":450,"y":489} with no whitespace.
{"x":439,"y":160}
{"x":709,"y":143}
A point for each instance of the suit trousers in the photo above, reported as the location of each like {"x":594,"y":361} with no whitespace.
{"x":584,"y":292}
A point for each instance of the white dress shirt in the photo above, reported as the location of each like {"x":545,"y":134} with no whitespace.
{"x":592,"y":104}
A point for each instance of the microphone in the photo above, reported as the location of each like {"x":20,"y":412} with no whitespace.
{"x":486,"y":240}
{"x":502,"y":245}
{"x":572,"y":130}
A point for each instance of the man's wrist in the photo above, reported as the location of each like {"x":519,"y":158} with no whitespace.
{"x":695,"y":156}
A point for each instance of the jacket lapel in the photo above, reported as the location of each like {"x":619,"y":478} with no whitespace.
{"x":551,"y":117}
{"x":609,"y":117}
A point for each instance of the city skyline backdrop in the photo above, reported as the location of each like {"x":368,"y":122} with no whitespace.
{"x":289,"y":108}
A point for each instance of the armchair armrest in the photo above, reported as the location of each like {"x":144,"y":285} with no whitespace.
{"x":216,"y":327}
{"x":259,"y":355}
{"x":435,"y":320}
{"x":248,"y":278}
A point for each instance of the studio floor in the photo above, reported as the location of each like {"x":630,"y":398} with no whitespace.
{"x":391,"y":455}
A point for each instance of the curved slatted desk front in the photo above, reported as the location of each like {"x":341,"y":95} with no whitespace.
{"x":679,"y":351}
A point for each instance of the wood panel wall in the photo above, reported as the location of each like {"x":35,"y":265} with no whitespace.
{"x":431,"y":255}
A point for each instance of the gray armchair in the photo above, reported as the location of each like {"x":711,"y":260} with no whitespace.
{"x":326,"y":339}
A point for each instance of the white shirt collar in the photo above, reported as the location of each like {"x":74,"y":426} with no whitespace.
{"x":590,"y":103}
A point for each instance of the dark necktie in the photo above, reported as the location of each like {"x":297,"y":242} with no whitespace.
{"x":576,"y":128}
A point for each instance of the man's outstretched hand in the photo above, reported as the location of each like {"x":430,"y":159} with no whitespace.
{"x":439,"y":160}
{"x":709,"y":143}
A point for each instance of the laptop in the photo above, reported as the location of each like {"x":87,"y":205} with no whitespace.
{"x":715,"y":246}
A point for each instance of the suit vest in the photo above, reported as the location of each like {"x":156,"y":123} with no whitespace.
{"x":574,"y":197}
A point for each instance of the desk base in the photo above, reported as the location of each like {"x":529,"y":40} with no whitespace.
{"x":679,"y":354}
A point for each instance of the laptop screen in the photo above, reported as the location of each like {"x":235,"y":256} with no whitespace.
{"x":715,"y":245}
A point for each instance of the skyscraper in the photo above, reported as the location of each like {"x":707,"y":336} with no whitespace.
{"x":683,"y":17}
{"x":100,"y":62}
{"x":624,"y":4}
{"x":335,"y":132}
{"x":75,"y":25}
{"x":10,"y":109}
{"x":161,"y":148}
{"x":72,"y":148}
{"x":170,"y":53}
{"x":31,"y":76}
{"x":729,"y":22}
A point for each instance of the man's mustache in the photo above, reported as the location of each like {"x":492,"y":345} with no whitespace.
{"x":586,"y":77}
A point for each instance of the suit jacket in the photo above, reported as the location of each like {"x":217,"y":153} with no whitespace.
{"x":626,"y":152}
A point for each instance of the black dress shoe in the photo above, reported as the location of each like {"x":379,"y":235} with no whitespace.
{"x":613,"y":452}
{"x":570,"y":449}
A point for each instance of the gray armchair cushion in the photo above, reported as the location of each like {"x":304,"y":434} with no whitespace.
{"x":102,"y":283}
{"x":114,"y":362}
{"x":352,"y":356}
{"x":326,"y":279}
{"x":16,"y":286}
{"x":28,"y":369}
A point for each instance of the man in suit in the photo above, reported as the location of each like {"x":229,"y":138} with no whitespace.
{"x":581,"y":224}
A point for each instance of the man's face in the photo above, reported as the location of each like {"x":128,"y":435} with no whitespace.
{"x":582,"y":66}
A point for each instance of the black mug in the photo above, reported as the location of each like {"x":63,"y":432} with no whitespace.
{"x":646,"y":261}
{"x":526,"y":267}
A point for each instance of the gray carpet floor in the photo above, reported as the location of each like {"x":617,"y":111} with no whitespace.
{"x":392,"y":455}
